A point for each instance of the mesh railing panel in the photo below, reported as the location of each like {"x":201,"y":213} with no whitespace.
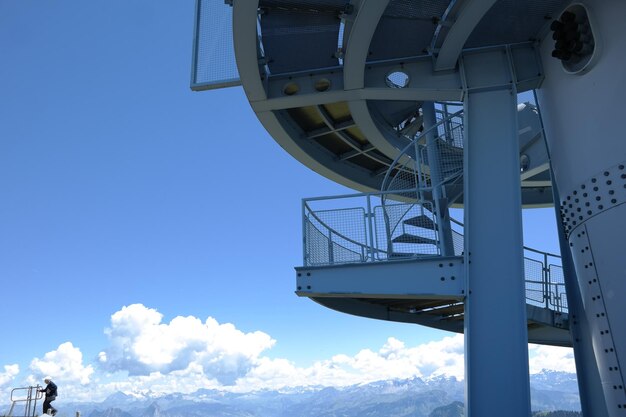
{"x":316,"y":251}
{"x":335,"y":236}
{"x":213,"y":63}
{"x":458,"y":242}
{"x":556,"y":287}
{"x":343,"y":255}
{"x":452,"y":130}
{"x":398,"y":236}
{"x":449,"y":146}
{"x":348,"y":223}
{"x":406,"y":179}
{"x":412,"y":169}
{"x":533,"y":273}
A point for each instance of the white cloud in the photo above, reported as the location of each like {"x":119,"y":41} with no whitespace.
{"x":10,"y":372}
{"x":392,"y":361}
{"x":142,"y":345}
{"x":7,"y":379}
{"x":552,"y":358}
{"x":63,"y":364}
{"x":147,"y":355}
{"x":186,"y":354}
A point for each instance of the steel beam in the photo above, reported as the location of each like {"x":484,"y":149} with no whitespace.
{"x":245,"y":41}
{"x":472,"y":11}
{"x":368,"y":14}
{"x":435,"y":278}
{"x":425,"y":84}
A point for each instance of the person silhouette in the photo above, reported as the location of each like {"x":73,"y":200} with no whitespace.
{"x":51,"y":395}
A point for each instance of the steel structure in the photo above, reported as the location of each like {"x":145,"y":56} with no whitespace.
{"x":413,"y":103}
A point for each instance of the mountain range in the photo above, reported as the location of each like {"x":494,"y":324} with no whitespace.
{"x":416,"y":397}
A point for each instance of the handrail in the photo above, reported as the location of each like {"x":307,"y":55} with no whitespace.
{"x":412,"y":143}
{"x":29,"y":399}
{"x":540,"y":252}
{"x":544,"y":282}
{"x":330,"y":229}
{"x":368,"y":195}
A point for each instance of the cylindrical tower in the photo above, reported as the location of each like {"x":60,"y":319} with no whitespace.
{"x":582,"y":108}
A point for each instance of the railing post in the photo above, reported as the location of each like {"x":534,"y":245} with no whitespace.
{"x":546,"y":277}
{"x":369,"y":215}
{"x":331,"y":255}
{"x":304,"y":257}
{"x":447,"y":125}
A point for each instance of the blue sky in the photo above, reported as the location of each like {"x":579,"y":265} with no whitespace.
{"x":127,"y":201}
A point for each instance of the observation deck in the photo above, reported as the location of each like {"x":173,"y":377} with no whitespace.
{"x":377,"y":106}
{"x":353,"y":262}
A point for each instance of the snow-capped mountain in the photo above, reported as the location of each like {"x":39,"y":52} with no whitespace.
{"x":438,"y":396}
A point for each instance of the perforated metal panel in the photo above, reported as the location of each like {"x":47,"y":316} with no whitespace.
{"x":406,"y":28}
{"x":300,"y":39}
{"x":514,"y":21}
{"x":213,"y":63}
{"x":317,"y":5}
{"x":417,"y":9}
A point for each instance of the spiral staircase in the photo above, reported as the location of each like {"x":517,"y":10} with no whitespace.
{"x":397,"y":254}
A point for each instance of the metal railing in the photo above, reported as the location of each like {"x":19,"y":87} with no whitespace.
{"x":29,"y":397}
{"x":410,"y":170}
{"x":361,"y":228}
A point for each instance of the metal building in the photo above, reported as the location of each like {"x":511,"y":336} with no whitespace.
{"x":413,"y":104}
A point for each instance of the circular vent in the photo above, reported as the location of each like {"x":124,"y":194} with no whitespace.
{"x":397,"y":79}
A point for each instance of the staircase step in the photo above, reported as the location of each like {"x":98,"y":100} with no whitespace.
{"x":422,"y":221}
{"x":408,"y":238}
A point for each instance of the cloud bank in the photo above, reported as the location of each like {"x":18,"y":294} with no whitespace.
{"x":145,"y":354}
{"x":10,"y":371}
{"x":65,"y":363}
{"x":141,"y":345}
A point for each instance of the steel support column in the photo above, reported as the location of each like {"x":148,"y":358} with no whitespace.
{"x":496,"y":337}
